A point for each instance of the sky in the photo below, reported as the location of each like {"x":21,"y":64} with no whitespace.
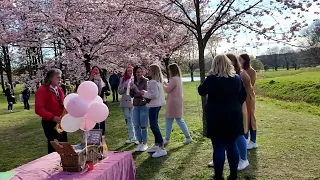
{"x":244,"y":38}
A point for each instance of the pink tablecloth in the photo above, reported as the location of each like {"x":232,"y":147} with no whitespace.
{"x":118,"y":166}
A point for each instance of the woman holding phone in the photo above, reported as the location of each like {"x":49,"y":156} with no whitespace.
{"x":99,"y":78}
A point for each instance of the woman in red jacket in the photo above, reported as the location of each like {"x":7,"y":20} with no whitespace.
{"x":49,"y":106}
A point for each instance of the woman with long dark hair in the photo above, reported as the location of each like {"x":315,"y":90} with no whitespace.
{"x":226,"y":94}
{"x":10,"y":97}
{"x":126,"y":102}
{"x":49,"y":106}
{"x":251,"y":101}
{"x":140,"y":110}
{"x":99,"y":78}
{"x":241,"y":140}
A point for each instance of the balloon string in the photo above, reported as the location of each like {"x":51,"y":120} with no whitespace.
{"x":86,"y":141}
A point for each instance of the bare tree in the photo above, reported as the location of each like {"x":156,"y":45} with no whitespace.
{"x":274,"y":55}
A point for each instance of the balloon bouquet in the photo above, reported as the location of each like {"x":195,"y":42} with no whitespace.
{"x":84,"y":109}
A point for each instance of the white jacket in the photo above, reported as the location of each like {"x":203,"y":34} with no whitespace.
{"x":155,"y":92}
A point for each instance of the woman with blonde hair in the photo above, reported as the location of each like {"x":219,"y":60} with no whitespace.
{"x":174,"y":108}
{"x":226,"y":94}
{"x":241,"y":140}
{"x":251,"y":101}
{"x":155,"y":93}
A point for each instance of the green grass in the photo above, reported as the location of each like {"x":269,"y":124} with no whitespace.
{"x":289,"y":143}
{"x":304,"y":86}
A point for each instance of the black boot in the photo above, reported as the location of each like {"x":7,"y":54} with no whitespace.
{"x":232,"y":178}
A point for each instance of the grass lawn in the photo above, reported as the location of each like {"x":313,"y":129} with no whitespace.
{"x":289,"y":143}
{"x":304,"y":86}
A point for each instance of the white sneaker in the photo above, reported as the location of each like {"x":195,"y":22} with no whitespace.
{"x":159,"y":153}
{"x":243,"y":164}
{"x":136,"y":142}
{"x":128,"y":141}
{"x":153,"y":149}
{"x":211,"y":164}
{"x":165,"y":142}
{"x":252,"y":145}
{"x":188,"y":141}
{"x":144,"y":147}
{"x":138,"y":149}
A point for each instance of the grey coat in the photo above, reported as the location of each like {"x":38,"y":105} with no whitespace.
{"x":126,"y":100}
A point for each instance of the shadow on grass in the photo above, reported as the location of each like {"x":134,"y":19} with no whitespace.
{"x":251,"y":173}
{"x":185,"y":162}
{"x":151,"y":166}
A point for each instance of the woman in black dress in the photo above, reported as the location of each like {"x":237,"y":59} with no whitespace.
{"x":10,"y":97}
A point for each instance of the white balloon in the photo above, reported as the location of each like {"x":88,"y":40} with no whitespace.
{"x":68,"y":98}
{"x":98,"y":99}
{"x":71,"y":124}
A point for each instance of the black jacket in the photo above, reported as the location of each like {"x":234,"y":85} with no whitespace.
{"x":224,"y":106}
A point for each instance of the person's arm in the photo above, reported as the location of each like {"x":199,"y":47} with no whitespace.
{"x":153,"y":90}
{"x":243,"y":93}
{"x":203,"y":88}
{"x":170,"y":86}
{"x":246,"y":81}
{"x":40,"y":101}
{"x":122,"y":87}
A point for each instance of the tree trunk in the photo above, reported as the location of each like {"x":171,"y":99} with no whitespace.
{"x":166,"y":63}
{"x":1,"y":75}
{"x":87,"y":63}
{"x":201,"y":48}
{"x":287,"y":65}
{"x":7,"y":63}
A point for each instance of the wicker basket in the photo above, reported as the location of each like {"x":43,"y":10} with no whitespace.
{"x":73,"y":161}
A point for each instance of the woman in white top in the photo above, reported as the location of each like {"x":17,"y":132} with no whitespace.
{"x":155,"y":93}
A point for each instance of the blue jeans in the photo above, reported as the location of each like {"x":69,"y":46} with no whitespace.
{"x":127,"y":112}
{"x":182,"y":125}
{"x":242,"y":147}
{"x":219,"y":148}
{"x":140,"y":121}
{"x":154,"y":126}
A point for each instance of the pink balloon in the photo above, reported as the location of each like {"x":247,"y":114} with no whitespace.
{"x":98,"y":99}
{"x":70,"y":124}
{"x":97,"y":112}
{"x":77,"y":107}
{"x":88,"y":91}
{"x":87,"y":125}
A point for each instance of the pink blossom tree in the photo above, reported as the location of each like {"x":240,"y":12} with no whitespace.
{"x":205,"y":18}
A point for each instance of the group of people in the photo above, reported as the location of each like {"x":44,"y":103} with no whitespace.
{"x":11,"y":99}
{"x":230,"y":112}
{"x":141,"y":103}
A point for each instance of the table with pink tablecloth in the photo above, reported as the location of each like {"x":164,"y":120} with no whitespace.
{"x":117,"y":166}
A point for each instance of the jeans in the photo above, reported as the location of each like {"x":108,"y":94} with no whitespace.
{"x":242,"y":147}
{"x":219,"y":148}
{"x":114,"y":90}
{"x":52,"y":134}
{"x":154,"y":126}
{"x":140,"y":121}
{"x":127,"y":112}
{"x":26,"y":104}
{"x":182,"y":125}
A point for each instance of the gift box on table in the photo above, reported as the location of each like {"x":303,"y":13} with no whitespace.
{"x":74,"y":157}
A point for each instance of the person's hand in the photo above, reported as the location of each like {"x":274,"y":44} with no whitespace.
{"x":57,"y":119}
{"x":165,"y":83}
{"x":143,"y":92}
{"x":132,"y":85}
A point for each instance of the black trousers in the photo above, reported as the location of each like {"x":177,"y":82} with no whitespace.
{"x":10,"y":106}
{"x":101,"y":125}
{"x":114,"y":90}
{"x":26,"y":104}
{"x":52,"y":134}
